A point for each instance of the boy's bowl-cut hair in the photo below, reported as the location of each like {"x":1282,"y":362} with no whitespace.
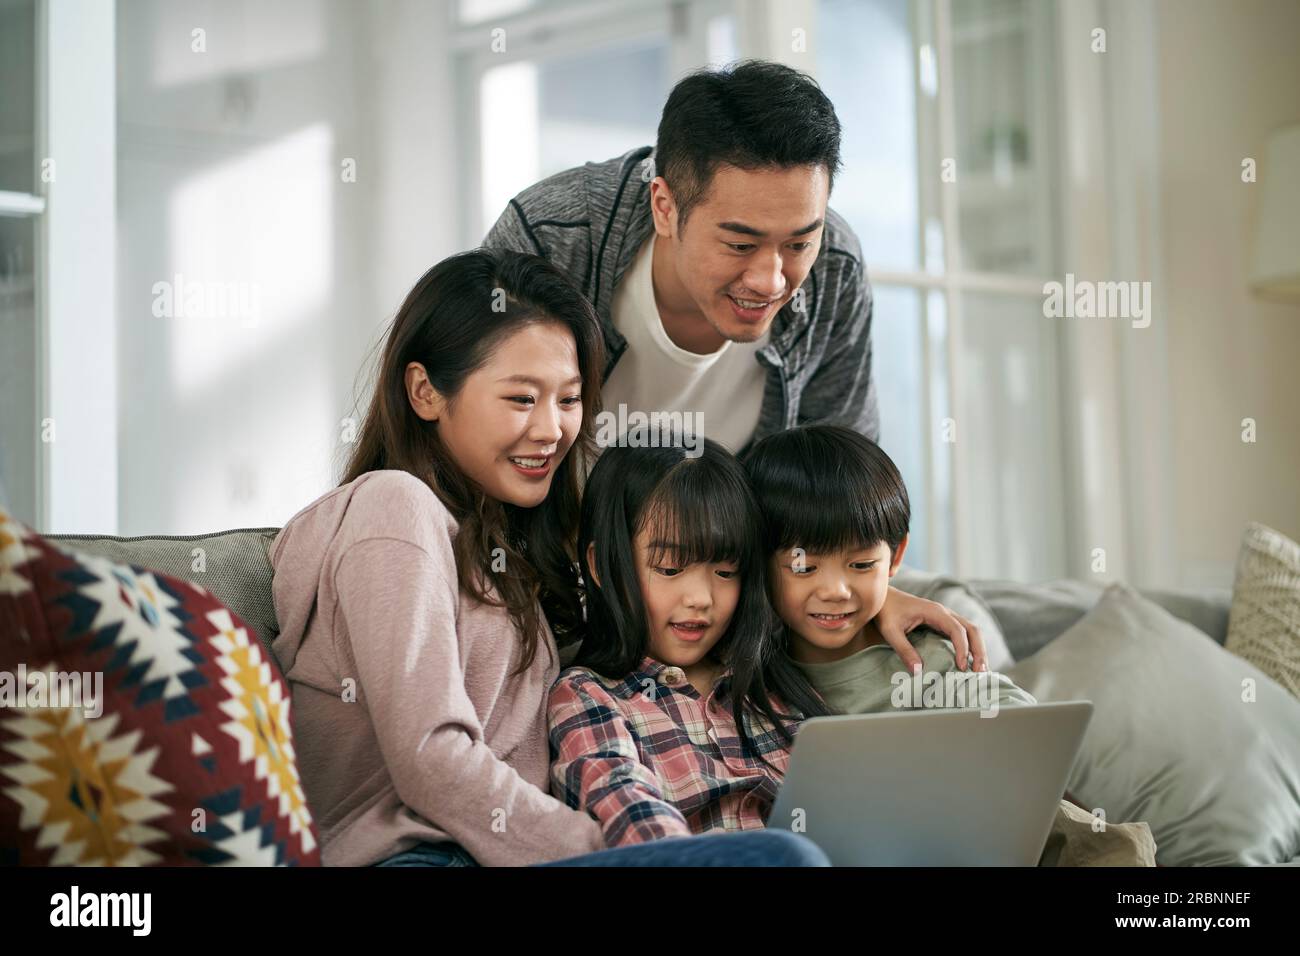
{"x":826,"y":488}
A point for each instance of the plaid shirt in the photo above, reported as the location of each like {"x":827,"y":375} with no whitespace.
{"x":648,"y":757}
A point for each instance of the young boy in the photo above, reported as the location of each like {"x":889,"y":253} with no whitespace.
{"x":836,"y":520}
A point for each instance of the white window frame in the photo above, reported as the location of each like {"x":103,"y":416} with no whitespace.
{"x":952,"y":282}
{"x":76,"y":286}
{"x":554,"y":31}
{"x":1114,"y":394}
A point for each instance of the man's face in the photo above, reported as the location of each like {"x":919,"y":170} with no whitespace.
{"x":747,"y":246}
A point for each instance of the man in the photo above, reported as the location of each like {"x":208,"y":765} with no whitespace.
{"x":724,"y":284}
{"x":729,"y":210}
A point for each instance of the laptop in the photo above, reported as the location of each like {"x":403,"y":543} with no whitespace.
{"x":932,"y":787}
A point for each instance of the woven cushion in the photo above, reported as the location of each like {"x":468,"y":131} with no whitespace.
{"x":178,"y":749}
{"x":1264,"y":624}
{"x":231,"y":564}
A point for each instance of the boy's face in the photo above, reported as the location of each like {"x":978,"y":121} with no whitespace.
{"x":827,"y":600}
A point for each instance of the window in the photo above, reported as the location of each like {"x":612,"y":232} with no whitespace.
{"x":21,"y":207}
{"x":551,"y":106}
{"x":948,"y":169}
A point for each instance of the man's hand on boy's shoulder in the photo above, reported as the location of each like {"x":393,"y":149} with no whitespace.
{"x":903,"y":613}
{"x":936,"y":651}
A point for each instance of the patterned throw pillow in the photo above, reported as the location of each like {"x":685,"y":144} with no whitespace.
{"x":1264,"y":622}
{"x":140,"y":721}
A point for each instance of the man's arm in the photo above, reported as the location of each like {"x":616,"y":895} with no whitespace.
{"x":550,"y":219}
{"x":843,"y":391}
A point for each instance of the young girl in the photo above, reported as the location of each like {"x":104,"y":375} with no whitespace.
{"x":680,"y":712}
{"x":411,"y":631}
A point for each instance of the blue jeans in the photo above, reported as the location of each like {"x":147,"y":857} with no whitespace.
{"x":744,"y":848}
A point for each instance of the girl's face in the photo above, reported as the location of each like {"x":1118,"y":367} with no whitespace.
{"x":689,"y":608}
{"x":515,"y":417}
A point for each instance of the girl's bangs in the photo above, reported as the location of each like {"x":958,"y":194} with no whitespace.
{"x":698,"y":515}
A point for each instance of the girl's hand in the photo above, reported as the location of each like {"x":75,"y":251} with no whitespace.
{"x":903,"y":613}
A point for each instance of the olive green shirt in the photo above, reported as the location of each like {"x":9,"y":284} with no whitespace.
{"x":875,"y":681}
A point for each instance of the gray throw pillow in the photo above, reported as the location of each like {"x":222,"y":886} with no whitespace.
{"x":1185,"y":736}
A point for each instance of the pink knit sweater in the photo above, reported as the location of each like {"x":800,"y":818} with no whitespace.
{"x":407,"y":724}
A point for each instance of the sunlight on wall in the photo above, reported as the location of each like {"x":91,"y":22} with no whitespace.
{"x":475,"y":11}
{"x":508,"y":107}
{"x":259,"y":446}
{"x":250,"y":255}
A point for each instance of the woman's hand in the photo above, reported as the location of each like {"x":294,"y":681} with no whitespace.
{"x":903,"y":613}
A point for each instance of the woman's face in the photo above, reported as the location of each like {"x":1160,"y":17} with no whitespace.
{"x":516,"y":416}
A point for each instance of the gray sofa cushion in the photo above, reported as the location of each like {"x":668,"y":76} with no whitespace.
{"x":1032,"y":615}
{"x":1184,"y":735}
{"x":238,"y":572}
{"x":959,"y":597}
{"x":234,"y":565}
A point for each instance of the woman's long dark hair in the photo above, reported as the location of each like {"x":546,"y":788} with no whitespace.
{"x":457,"y":314}
{"x":703,"y":509}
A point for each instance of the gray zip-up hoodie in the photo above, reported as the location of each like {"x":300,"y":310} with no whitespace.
{"x":591,"y":220}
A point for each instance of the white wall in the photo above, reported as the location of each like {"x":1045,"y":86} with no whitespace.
{"x":411,"y":112}
{"x":1228,"y":75}
{"x":231,"y":162}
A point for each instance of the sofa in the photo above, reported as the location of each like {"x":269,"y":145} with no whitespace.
{"x":235,"y":568}
{"x":1217,"y":782}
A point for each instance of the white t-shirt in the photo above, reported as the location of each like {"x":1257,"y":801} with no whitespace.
{"x":654,"y":375}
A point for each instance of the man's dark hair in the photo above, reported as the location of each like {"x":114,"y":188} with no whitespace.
{"x":752,"y":114}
